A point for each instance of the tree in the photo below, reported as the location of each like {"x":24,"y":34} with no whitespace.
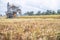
{"x":26,"y":13}
{"x":53,"y":12}
{"x":29,"y":13}
{"x":48,"y":12}
{"x":58,"y":11}
{"x":38,"y":13}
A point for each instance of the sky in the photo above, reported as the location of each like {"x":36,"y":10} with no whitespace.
{"x":31,"y":5}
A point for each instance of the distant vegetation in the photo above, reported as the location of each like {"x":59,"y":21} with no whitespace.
{"x":38,"y":13}
{"x":47,"y":12}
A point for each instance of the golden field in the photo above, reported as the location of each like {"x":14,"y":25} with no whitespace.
{"x":30,"y":28}
{"x":40,"y":16}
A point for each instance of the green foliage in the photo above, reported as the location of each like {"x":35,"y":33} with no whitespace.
{"x":29,"y":13}
{"x":58,"y":11}
{"x":53,"y":12}
{"x":47,"y":12}
{"x":38,"y":13}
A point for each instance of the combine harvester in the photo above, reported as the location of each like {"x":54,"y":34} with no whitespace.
{"x":12,"y":10}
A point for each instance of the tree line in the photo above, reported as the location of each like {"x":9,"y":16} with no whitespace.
{"x":47,"y":12}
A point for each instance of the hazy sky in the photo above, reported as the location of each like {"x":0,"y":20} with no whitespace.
{"x":29,"y":5}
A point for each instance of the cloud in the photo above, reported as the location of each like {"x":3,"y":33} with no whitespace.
{"x":58,"y":4}
{"x":50,"y":4}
